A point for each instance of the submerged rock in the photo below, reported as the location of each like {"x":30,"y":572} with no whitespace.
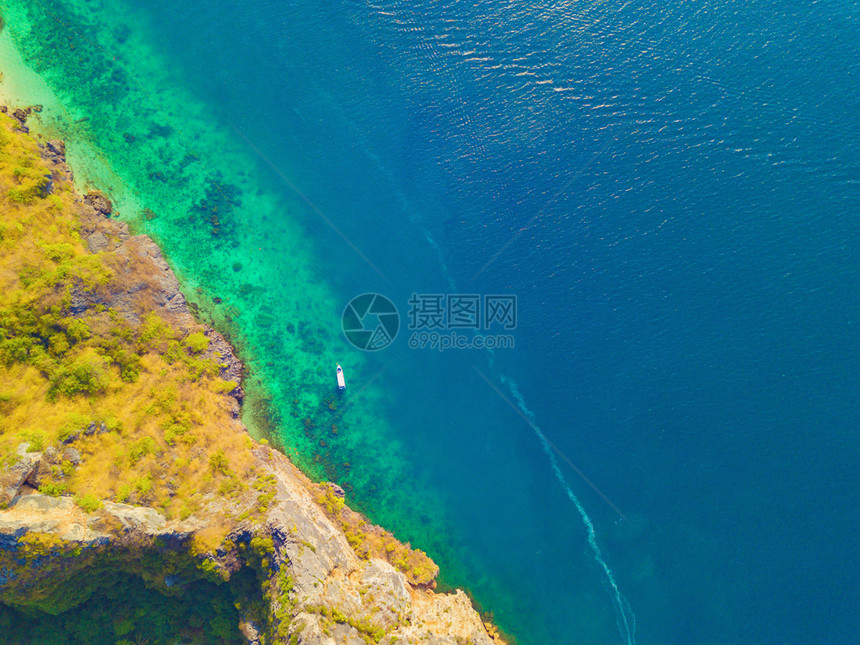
{"x":21,"y":114}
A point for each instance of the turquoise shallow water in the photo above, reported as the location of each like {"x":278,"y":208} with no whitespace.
{"x":682,"y":185}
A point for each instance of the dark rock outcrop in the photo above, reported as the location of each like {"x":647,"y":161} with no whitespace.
{"x":97,"y":200}
{"x":232,"y":368}
{"x":72,"y":455}
{"x":54,"y":151}
{"x":20,"y":115}
{"x":40,"y":473}
{"x":57,"y":148}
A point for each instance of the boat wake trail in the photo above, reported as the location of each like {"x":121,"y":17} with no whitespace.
{"x":626,"y":620}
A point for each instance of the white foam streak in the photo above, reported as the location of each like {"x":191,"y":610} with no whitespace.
{"x":626,"y":620}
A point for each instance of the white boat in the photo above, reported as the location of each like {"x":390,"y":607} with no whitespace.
{"x":341,"y":384}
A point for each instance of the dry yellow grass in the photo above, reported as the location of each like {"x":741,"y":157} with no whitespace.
{"x":163,"y":434}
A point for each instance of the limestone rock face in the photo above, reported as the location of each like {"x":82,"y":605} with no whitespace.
{"x":13,"y":476}
{"x":389,"y":590}
{"x":97,"y":242}
{"x":371,"y":594}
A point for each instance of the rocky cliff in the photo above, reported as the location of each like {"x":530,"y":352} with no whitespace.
{"x":322,"y":574}
{"x":317,"y":590}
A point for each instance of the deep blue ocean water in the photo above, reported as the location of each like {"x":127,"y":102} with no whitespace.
{"x":688,"y":294}
{"x":672,"y":191}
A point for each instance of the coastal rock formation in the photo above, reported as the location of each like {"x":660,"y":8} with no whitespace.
{"x":323,"y":590}
{"x":324,"y":574}
{"x":99,"y":202}
{"x":331,"y":582}
{"x":15,"y":474}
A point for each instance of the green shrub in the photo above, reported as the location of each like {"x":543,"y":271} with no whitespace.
{"x":197,"y":343}
{"x":123,"y":494}
{"x":86,"y":374}
{"x":123,"y":627}
{"x":200,"y":367}
{"x":231,"y":487}
{"x":262,"y":546}
{"x":40,"y":359}
{"x":174,"y":429}
{"x":154,"y":328}
{"x":173,"y":352}
{"x":223,"y":387}
{"x":356,"y":540}
{"x":77,"y":330}
{"x":15,"y":350}
{"x":54,"y":489}
{"x":29,"y":274}
{"x":186,"y":511}
{"x":143,"y":484}
{"x":75,"y":422}
{"x":89,"y":503}
{"x":331,"y":502}
{"x":59,"y":252}
{"x":59,"y":344}
{"x":36,"y":439}
{"x":218,"y":463}
{"x":129,"y":364}
{"x":29,"y":191}
{"x":140,"y":448}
